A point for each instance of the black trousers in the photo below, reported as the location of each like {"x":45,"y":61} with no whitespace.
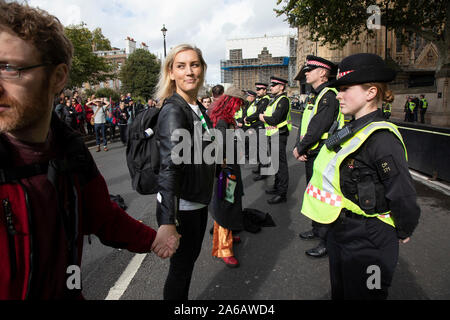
{"x":319,"y":229}
{"x":192,"y":225}
{"x":422,"y":115}
{"x":363,"y":254}
{"x":282,"y":176}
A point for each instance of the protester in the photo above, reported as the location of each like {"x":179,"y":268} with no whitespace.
{"x":226,"y":207}
{"x":361,"y":185}
{"x":80,"y":113}
{"x":217,"y":91}
{"x":70,"y":115}
{"x":99,"y":108}
{"x":51,"y":191}
{"x":206,"y":101}
{"x":185,"y":189}
{"x":122,"y":115}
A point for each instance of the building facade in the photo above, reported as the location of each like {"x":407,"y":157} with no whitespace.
{"x":251,"y":60}
{"x":116,"y":57}
{"x":415,"y":65}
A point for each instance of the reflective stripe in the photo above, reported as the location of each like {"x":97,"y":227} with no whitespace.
{"x":324,"y":196}
{"x":353,"y":143}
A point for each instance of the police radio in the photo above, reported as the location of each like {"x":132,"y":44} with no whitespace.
{"x":338,"y":137}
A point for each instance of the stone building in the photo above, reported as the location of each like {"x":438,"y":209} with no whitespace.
{"x":117,"y":58}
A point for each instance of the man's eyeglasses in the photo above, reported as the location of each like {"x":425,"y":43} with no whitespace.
{"x":8,"y":71}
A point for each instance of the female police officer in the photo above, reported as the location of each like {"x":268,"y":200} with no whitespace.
{"x":361,"y":185}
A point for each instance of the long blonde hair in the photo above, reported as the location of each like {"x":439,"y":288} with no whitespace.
{"x":166,"y":87}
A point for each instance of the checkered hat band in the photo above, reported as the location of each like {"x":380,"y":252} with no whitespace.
{"x":319,"y":64}
{"x":277,"y":81}
{"x":341,"y":74}
{"x":323,"y":196}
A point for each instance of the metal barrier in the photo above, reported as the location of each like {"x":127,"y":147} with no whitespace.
{"x":428,"y":148}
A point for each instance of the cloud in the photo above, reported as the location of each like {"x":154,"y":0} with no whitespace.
{"x":204,"y":23}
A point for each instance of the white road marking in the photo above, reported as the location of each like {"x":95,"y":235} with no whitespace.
{"x":124,"y":281}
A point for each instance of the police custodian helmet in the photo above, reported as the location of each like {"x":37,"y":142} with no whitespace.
{"x":363,"y":68}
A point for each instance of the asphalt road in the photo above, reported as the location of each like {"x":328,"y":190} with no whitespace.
{"x":273,"y":263}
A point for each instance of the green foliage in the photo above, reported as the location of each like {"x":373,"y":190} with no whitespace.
{"x":107,"y":93}
{"x":86,"y":66}
{"x":336,"y":22}
{"x":139,"y":74}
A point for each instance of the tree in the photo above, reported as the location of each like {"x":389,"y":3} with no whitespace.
{"x":108,"y":93}
{"x":336,"y":22}
{"x":139,"y":74}
{"x":86,"y":66}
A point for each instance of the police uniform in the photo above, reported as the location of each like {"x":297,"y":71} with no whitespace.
{"x":362,"y":188}
{"x":278,"y":121}
{"x":423,"y":108}
{"x":253,"y":118}
{"x":318,"y":117}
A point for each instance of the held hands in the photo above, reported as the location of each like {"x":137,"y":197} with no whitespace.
{"x":166,"y":242}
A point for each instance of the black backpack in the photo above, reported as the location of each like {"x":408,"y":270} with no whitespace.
{"x":143,"y":152}
{"x":143,"y":147}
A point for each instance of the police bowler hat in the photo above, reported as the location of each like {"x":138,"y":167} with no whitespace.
{"x":313,"y":62}
{"x":363,"y":68}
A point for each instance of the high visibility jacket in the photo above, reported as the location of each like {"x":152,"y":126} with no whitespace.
{"x":411,"y":106}
{"x":271,"y":130}
{"x":238,"y":114}
{"x":311,"y":110}
{"x":387,"y":107}
{"x":424,"y":103}
{"x":323,"y":200}
{"x":250,"y":110}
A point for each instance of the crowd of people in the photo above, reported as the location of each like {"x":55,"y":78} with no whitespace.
{"x":99,"y":117}
{"x":359,"y":195}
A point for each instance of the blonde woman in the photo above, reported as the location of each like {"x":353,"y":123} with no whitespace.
{"x":185,"y":189}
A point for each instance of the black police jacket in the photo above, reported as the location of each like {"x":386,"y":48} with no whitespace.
{"x":380,"y":165}
{"x":189,"y":181}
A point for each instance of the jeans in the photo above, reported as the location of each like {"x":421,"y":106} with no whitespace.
{"x":97,"y":127}
{"x":192,"y":226}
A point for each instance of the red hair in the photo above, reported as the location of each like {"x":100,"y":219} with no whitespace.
{"x":224,"y":108}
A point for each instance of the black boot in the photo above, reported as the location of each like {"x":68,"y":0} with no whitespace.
{"x":317,"y":252}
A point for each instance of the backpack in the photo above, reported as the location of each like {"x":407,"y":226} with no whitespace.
{"x":142,"y":151}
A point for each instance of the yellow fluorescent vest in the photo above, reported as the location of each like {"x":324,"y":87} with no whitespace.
{"x":412,"y":106}
{"x":424,"y":103}
{"x":251,"y":110}
{"x":270,"y":130}
{"x":311,"y":110}
{"x":323,"y":200}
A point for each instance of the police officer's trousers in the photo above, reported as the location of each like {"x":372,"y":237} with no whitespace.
{"x":363,"y":253}
{"x":281,"y":182}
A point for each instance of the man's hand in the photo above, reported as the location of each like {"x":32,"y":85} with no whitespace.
{"x":261,"y":117}
{"x":405,"y":240}
{"x":166,"y":242}
{"x":302,"y":158}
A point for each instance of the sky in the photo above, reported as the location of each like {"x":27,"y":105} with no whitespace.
{"x":206,"y":24}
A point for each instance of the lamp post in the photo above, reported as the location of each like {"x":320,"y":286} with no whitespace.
{"x":164,"y":30}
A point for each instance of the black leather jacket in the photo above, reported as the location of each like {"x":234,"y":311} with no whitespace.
{"x":189,"y":181}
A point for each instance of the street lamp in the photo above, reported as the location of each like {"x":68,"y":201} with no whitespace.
{"x":164,"y":30}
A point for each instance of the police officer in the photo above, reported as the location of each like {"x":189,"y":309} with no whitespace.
{"x":277,"y":120}
{"x":387,"y":109}
{"x":423,"y":104}
{"x":362,"y":187}
{"x":261,"y":102}
{"x":317,"y":119}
